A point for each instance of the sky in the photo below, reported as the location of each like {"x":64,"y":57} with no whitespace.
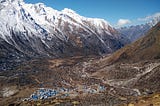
{"x":116,"y":12}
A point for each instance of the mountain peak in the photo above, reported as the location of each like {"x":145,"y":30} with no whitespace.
{"x":10,"y":1}
{"x":69,"y":11}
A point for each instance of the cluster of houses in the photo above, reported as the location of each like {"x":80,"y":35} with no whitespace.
{"x":45,"y":93}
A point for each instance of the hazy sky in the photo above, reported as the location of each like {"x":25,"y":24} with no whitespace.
{"x":117,"y":12}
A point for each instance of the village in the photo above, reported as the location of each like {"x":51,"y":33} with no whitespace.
{"x":46,"y":93}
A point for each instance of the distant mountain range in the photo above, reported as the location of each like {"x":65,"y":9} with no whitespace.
{"x":135,"y":32}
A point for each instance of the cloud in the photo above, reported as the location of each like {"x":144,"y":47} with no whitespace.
{"x":122,"y":22}
{"x":150,"y":17}
{"x":153,"y":19}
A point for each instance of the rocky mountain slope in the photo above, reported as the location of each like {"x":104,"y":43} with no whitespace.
{"x":38,"y":30}
{"x":135,"y":66}
{"x":146,"y":48}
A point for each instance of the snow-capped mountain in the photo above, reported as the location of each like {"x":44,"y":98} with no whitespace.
{"x":137,"y":31}
{"x":38,"y":30}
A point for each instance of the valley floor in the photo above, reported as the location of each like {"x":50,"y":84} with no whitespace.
{"x":80,"y":81}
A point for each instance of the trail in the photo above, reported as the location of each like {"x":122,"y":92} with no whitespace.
{"x":126,"y":82}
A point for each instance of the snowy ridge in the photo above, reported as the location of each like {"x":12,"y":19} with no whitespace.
{"x":46,"y":16}
{"x":44,"y":30}
{"x":14,"y":17}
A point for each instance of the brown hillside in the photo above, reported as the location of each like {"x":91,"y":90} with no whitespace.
{"x":146,"y":48}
